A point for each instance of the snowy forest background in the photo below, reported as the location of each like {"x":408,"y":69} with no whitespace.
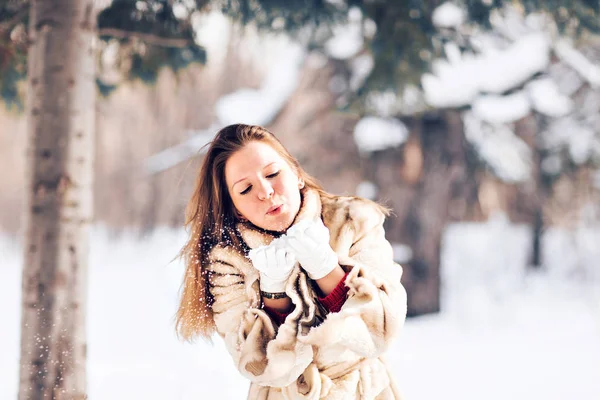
{"x":481,"y":130}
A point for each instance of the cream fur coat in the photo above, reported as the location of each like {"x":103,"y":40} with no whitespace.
{"x":315,"y":355}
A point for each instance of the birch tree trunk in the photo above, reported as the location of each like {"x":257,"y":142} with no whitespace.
{"x":60,"y":112}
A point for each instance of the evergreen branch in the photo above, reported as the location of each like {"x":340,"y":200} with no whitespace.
{"x":19,"y":15}
{"x":146,"y":37}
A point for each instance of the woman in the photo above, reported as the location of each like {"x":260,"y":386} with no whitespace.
{"x":299,"y":283}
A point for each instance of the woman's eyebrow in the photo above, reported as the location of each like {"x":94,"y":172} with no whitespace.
{"x":269,"y":164}
{"x":244,"y":178}
{"x":235,"y":183}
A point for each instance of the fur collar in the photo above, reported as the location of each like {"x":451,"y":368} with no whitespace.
{"x":256,"y":237}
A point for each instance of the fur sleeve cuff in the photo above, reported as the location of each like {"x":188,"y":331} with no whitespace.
{"x":369,"y":319}
{"x":270,"y":355}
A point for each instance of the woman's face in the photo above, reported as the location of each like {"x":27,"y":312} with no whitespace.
{"x":264,"y":188}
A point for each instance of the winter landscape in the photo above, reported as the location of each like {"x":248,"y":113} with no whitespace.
{"x":505,"y":332}
{"x":519,"y":319}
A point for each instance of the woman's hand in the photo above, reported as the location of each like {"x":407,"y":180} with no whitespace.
{"x":309,"y":242}
{"x":275,"y":264}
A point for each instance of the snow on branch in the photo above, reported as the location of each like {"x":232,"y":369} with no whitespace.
{"x":546,"y":98}
{"x":261,"y":106}
{"x":571,"y":56}
{"x":448,"y":15}
{"x":347,"y":39}
{"x":508,"y":155}
{"x":502,"y":109}
{"x":375,"y":133}
{"x":181,"y":152}
{"x":570,"y":133}
{"x":458,"y":83}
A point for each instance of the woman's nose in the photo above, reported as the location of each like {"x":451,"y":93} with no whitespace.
{"x":266,"y":191}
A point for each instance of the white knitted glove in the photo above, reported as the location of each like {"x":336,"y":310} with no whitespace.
{"x":275,"y":264}
{"x":309,"y":241}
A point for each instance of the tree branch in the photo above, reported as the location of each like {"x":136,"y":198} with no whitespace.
{"x":19,"y":15}
{"x":146,"y":37}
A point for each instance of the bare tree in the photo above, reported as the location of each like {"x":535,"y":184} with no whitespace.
{"x":60,"y":112}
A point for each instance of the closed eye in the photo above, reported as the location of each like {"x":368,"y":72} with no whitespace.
{"x":246,"y":190}
{"x":273,"y":175}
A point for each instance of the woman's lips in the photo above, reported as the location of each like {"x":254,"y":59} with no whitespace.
{"x":274,"y":210}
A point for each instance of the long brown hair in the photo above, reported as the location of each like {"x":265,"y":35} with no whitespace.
{"x":210,"y":220}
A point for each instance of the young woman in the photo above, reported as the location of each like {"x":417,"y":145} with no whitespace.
{"x":299,"y":283}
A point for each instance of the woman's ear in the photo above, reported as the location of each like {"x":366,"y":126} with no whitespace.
{"x":300,"y":183}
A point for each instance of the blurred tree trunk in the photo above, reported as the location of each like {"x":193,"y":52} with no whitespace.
{"x":427,"y":183}
{"x":531,"y":195}
{"x":60,"y":112}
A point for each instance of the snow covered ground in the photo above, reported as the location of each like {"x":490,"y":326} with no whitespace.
{"x":503,"y":333}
